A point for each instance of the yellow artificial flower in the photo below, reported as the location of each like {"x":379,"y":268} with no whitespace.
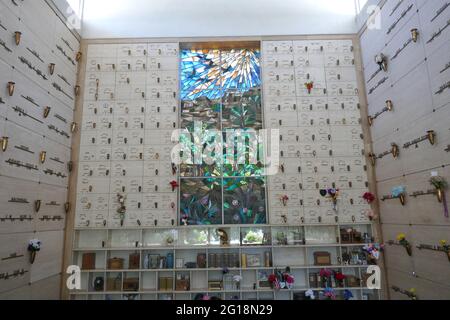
{"x":412,"y":290}
{"x":401,"y":237}
{"x":443,"y":243}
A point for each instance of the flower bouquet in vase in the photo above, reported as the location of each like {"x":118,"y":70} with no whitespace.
{"x":440,"y":184}
{"x":401,"y":238}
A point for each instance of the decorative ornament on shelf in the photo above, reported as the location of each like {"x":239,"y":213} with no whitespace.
{"x":310,"y":294}
{"x":122,"y":208}
{"x":440,"y":184}
{"x":237,"y":280}
{"x":401,"y":238}
{"x":174,"y":185}
{"x":373,"y":251}
{"x":224,"y":239}
{"x":34,"y":246}
{"x":329,"y":293}
{"x":309,"y":86}
{"x":348,"y":295}
{"x":381,"y":60}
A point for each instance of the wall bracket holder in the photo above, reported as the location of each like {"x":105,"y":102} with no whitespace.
{"x":395,"y":151}
{"x":444,"y":248}
{"x":411,"y":293}
{"x":389,"y":107}
{"x":401,"y":197}
{"x":430,"y":136}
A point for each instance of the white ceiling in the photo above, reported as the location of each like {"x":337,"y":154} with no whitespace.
{"x":209,"y":18}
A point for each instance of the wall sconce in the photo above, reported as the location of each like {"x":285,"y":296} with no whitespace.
{"x":389,"y":107}
{"x":11,"y":87}
{"x":78,"y":56}
{"x":51,"y":68}
{"x":414,"y":34}
{"x":37,"y":205}
{"x":430,"y":136}
{"x":77,"y":91}
{"x":46,"y":112}
{"x":381,"y":60}
{"x":43,"y":156}
{"x":4,"y":143}
{"x":17,"y":37}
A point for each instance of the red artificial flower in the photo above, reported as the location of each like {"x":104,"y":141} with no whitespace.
{"x":369,"y":197}
{"x":174,"y":185}
{"x":339,"y":276}
{"x":272,"y":278}
{"x":309,"y":86}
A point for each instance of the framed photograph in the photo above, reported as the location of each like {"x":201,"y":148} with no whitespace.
{"x":254,"y":260}
{"x":322,"y":259}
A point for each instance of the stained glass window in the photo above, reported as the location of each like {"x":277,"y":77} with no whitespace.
{"x":223,"y":181}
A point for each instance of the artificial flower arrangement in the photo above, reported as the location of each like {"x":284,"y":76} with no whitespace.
{"x":309,"y":86}
{"x":331,"y":194}
{"x":174,"y":184}
{"x":373,"y":251}
{"x":401,"y":238}
{"x":339,"y":277}
{"x":329,"y":293}
{"x":369,"y":197}
{"x":440,"y":184}
{"x":284,"y":200}
{"x":34,"y":246}
{"x":122,"y":208}
{"x":399,"y":193}
{"x":348,"y":295}
{"x":282,"y":280}
{"x":325,"y":277}
{"x":445,"y":247}
{"x":310,"y":294}
{"x":381,"y":60}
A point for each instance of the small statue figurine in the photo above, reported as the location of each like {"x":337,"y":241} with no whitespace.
{"x":224,"y":239}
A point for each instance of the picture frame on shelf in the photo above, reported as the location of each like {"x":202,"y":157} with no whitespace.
{"x":322,"y":258}
{"x":254,"y":260}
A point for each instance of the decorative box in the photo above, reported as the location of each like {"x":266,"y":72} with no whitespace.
{"x":322,"y":258}
{"x":201,"y":260}
{"x":131,"y":284}
{"x":88,"y":261}
{"x":182,"y":285}
{"x":352,"y":281}
{"x":115,"y":264}
{"x":166,"y":284}
{"x":134,"y":261}
{"x":114,"y":284}
{"x":215,"y":285}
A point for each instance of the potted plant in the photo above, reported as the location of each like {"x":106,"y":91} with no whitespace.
{"x":34,"y":246}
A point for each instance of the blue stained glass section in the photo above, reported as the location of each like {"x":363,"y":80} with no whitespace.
{"x":213,"y":73}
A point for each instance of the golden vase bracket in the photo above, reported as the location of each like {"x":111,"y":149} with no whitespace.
{"x":395,"y":151}
{"x":37,"y":205}
{"x":51,"y":68}
{"x":11,"y":88}
{"x":414,"y":34}
{"x":17,"y":37}
{"x":43,"y":156}
{"x":389,"y":107}
{"x":47,"y":111}
{"x":67,"y":207}
{"x":430,"y":136}
{"x":4,"y":143}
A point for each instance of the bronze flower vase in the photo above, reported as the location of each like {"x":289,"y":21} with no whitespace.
{"x":32,"y":256}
